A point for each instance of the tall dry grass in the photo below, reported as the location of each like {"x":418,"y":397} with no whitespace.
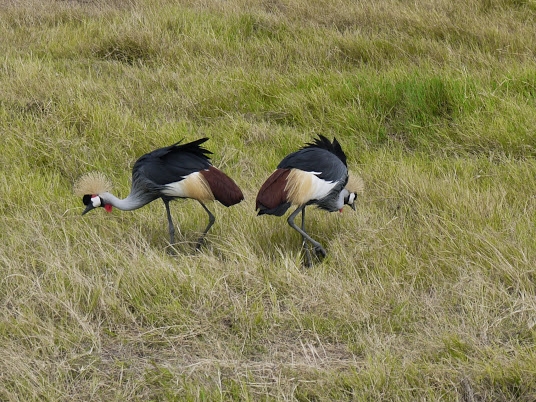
{"x":427,"y":292}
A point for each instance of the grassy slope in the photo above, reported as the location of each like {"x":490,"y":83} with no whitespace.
{"x":428,"y":290}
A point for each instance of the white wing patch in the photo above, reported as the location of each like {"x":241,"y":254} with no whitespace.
{"x":192,"y":186}
{"x":303,"y":187}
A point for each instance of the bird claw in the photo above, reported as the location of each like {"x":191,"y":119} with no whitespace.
{"x":200,"y":243}
{"x":320,"y":252}
{"x":172,"y":251}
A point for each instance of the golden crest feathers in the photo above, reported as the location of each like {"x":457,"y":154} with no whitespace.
{"x":355,"y":184}
{"x":92,"y":183}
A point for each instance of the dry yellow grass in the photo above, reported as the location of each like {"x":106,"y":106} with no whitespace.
{"x":427,"y":292}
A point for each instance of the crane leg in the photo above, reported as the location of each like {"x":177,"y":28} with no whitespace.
{"x":304,"y":244}
{"x":170,"y":223}
{"x":211,"y":220}
{"x":317,"y":246}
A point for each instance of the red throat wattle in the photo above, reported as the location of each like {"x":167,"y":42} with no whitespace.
{"x":108,"y":207}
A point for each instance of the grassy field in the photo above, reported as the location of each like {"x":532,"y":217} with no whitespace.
{"x":428,"y":291}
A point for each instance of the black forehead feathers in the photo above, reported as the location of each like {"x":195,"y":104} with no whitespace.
{"x":86,"y":199}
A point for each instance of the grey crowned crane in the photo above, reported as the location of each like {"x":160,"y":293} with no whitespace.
{"x":176,"y":171}
{"x":316,"y":174}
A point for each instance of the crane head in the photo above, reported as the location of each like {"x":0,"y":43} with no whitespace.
{"x":89,"y":187}
{"x":354,"y":186}
{"x":347,"y":198}
{"x":94,"y":201}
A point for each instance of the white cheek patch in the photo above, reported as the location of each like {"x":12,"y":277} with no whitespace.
{"x":351,"y":198}
{"x":96,"y":202}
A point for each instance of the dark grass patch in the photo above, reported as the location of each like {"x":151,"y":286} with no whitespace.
{"x":129,"y":49}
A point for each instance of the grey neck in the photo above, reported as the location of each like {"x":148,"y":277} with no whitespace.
{"x":127,"y":204}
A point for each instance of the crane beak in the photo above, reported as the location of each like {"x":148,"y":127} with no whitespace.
{"x":89,"y":207}
{"x":352,"y":205}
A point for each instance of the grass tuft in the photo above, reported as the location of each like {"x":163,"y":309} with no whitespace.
{"x":125,"y":49}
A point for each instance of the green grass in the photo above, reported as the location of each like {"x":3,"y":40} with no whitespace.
{"x":428,"y":290}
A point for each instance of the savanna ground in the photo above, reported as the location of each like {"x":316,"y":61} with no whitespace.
{"x":428,"y":291}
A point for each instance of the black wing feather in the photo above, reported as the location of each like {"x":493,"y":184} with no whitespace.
{"x":333,"y":147}
{"x":313,"y":159}
{"x":171,"y":164}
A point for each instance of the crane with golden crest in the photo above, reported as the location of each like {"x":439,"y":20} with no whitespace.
{"x":169,"y":173}
{"x":317,"y":174}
